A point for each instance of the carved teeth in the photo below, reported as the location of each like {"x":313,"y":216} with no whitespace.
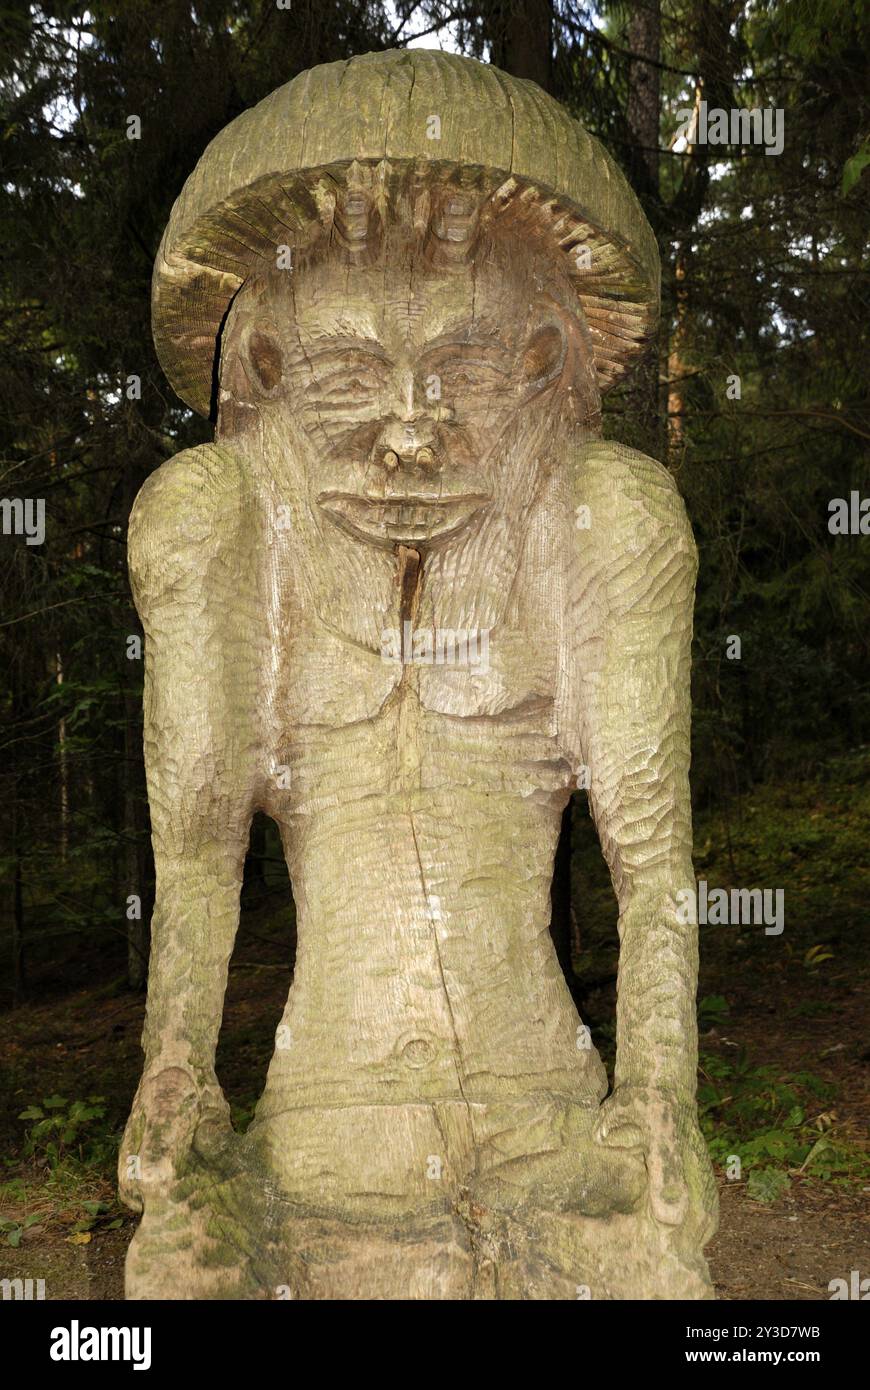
{"x":425,"y":458}
{"x":391,"y":460}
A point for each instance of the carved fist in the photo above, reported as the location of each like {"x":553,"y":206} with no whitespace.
{"x":682,"y":1188}
{"x":168,"y":1108}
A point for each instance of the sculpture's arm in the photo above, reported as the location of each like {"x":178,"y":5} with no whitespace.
{"x":192,"y":588}
{"x":633,"y":626}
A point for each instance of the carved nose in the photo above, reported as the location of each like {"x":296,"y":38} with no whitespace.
{"x":424,"y":458}
{"x":407,"y":438}
{"x":409,"y":445}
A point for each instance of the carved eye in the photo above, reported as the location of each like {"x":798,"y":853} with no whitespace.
{"x":266,"y":360}
{"x":471,"y":376}
{"x":543,"y":353}
{"x":349,"y":386}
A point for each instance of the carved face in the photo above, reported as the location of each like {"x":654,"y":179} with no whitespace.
{"x":405,"y":380}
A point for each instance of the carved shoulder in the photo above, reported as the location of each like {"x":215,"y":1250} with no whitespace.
{"x":632,"y":527}
{"x":186,"y":514}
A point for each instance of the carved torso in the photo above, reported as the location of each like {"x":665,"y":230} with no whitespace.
{"x":440,"y":775}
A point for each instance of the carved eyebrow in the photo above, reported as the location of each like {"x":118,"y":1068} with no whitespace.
{"x":337,"y":347}
{"x":453,"y":340}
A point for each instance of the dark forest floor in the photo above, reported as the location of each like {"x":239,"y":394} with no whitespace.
{"x":784,"y":1080}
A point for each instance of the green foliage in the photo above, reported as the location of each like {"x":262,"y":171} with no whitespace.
{"x":767,"y":1184}
{"x":713,"y":1008}
{"x":11,"y":1230}
{"x":70,"y":1132}
{"x":774,"y":1123}
{"x":854,"y":167}
{"x":99,"y":1215}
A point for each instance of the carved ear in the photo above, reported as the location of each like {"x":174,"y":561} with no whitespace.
{"x":544,"y":354}
{"x":262,"y":358}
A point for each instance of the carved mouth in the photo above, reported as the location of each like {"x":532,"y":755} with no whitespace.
{"x":393,"y":519}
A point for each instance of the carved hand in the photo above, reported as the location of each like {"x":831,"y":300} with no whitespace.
{"x":664,"y":1126}
{"x":168,"y":1108}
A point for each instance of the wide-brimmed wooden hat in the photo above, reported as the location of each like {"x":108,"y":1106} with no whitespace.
{"x":269,"y":179}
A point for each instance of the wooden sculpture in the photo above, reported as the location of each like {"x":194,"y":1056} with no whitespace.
{"x":404,"y":604}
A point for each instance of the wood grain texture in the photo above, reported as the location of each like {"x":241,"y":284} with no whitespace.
{"x":401,"y":605}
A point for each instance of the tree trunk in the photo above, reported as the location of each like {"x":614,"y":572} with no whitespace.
{"x":643,"y":404}
{"x":677,"y":365}
{"x":521,"y":38}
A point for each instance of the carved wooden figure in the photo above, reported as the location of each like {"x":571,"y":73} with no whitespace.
{"x":404,"y":604}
